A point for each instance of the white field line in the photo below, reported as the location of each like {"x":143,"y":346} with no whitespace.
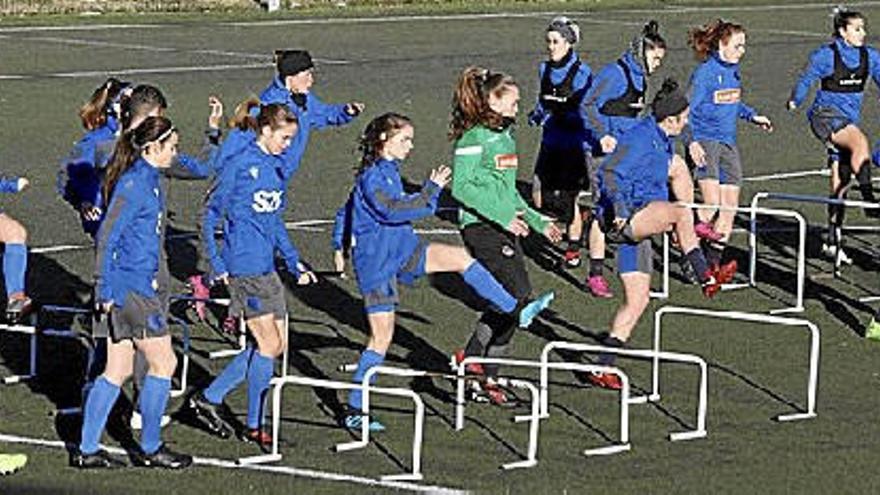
{"x":289,"y":471}
{"x":147,"y":48}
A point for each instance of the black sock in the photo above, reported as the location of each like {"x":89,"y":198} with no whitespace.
{"x":699,"y":264}
{"x":607,"y":358}
{"x":574,"y":245}
{"x":597,"y":266}
{"x":864,"y":180}
{"x":714,"y":252}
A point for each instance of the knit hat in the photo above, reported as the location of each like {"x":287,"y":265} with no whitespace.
{"x":292,"y":62}
{"x":669,"y":101}
{"x":566,"y":28}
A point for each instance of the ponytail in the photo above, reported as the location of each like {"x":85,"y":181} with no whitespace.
{"x":706,"y":39}
{"x":142,"y":100}
{"x":94,"y":113}
{"x":376,"y":134}
{"x":470,"y":101}
{"x":129,"y":147}
{"x":250,"y":115}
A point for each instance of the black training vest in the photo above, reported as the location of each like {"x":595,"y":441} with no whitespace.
{"x":844,"y":79}
{"x":556,"y":98}
{"x":628,"y":105}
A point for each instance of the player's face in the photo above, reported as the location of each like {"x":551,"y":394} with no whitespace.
{"x":557,"y":46}
{"x":679,"y":122}
{"x":733,"y":49}
{"x":507,"y":103}
{"x":162,"y":154}
{"x":654,"y":58}
{"x":275,"y":141}
{"x":399,"y":145}
{"x":301,"y":82}
{"x":854,"y":34}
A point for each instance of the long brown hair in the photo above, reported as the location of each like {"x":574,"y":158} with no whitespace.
{"x":470,"y":101}
{"x":376,"y":134}
{"x":707,"y":38}
{"x":129,"y":147}
{"x":143,"y":99}
{"x":94,"y":112}
{"x":274,"y":115}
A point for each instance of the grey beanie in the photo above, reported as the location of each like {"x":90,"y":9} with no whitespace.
{"x":567,"y":28}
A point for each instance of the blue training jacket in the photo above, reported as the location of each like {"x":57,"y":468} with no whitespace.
{"x":638,"y":170}
{"x":716,"y":101}
{"x":248,"y":198}
{"x":130,"y":241}
{"x":820,"y":65}
{"x":9,"y":185}
{"x":342,"y":239}
{"x":382,"y":216}
{"x":609,"y":84}
{"x":566,"y":129}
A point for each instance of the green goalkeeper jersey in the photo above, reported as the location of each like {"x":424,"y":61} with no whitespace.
{"x":484,"y":180}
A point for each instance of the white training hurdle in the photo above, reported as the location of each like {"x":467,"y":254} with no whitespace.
{"x":663,"y":293}
{"x":623,"y":444}
{"x":698,"y":432}
{"x":279,"y":383}
{"x":813,"y":370}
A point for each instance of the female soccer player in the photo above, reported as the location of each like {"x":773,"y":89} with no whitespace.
{"x":387,"y":249}
{"x":130,"y":288}
{"x":13,"y":235}
{"x":633,"y":206}
{"x":561,"y":170}
{"x":493,"y":215}
{"x":716,"y":104}
{"x":248,"y":199}
{"x":612,"y":105}
{"x":842,"y":67}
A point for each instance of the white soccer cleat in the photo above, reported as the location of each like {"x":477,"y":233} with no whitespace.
{"x":834,"y":252}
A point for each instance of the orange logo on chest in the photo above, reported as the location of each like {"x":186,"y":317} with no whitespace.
{"x":506,"y":161}
{"x":727,"y":96}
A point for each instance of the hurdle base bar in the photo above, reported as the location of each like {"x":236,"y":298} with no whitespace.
{"x":783,"y":418}
{"x":793,"y":309}
{"x":258,"y":459}
{"x":687,"y":435}
{"x":869,"y":299}
{"x":609,"y":450}
{"x":403,"y":477}
{"x":519,"y":464}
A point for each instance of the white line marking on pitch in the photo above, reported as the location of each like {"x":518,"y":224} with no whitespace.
{"x":290,"y":471}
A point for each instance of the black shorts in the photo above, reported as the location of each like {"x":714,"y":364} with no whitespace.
{"x":257,"y":295}
{"x":563,"y":168}
{"x":140,"y":317}
{"x":559,"y":204}
{"x":825,"y":121}
{"x":501,"y":254}
{"x":606,"y":216}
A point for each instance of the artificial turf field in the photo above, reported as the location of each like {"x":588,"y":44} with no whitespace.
{"x":409,"y":66}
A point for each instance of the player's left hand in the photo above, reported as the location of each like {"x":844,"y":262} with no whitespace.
{"x":763,"y":122}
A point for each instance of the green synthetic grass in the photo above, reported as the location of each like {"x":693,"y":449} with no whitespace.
{"x":757,"y":372}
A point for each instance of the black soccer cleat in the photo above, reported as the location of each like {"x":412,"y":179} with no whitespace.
{"x":210,"y":416}
{"x":99,"y":460}
{"x":163,"y":458}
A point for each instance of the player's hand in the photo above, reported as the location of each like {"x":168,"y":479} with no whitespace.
{"x":553,"y":232}
{"x":354,"y":108}
{"x":306,"y":278}
{"x":608,"y":144}
{"x":698,"y":154}
{"x":763,"y":122}
{"x":215,"y":118}
{"x":619,"y":223}
{"x":339,"y":262}
{"x":441,"y":176}
{"x":518,"y":226}
{"x":791,"y":106}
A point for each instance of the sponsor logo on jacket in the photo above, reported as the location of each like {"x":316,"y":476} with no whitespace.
{"x":727,"y":96}
{"x":506,"y":161}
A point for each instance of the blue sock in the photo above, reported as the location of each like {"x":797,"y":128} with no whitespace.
{"x":488,"y":287}
{"x":233,"y":374}
{"x":369,"y":359}
{"x":14,"y":267}
{"x":98,"y":405}
{"x":698,"y":263}
{"x":258,"y":375}
{"x":153,"y":400}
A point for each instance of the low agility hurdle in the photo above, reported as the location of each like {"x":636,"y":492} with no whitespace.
{"x":813,"y":370}
{"x":622,"y":446}
{"x":698,"y":432}
{"x":279,"y":383}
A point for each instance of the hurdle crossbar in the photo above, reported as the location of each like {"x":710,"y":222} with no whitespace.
{"x":812,"y":373}
{"x":278,"y":383}
{"x":622,"y":445}
{"x":698,"y":432}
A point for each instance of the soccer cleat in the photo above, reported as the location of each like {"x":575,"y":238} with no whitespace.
{"x":872,"y":331}
{"x":832,"y":251}
{"x":472,"y":369}
{"x":18,"y":306}
{"x":687,"y":271}
{"x":99,"y":460}
{"x":257,"y":436}
{"x":598,"y":287}
{"x":200,"y":291}
{"x":490,"y":392}
{"x":725,"y":272}
{"x":608,"y":381}
{"x":210,"y":415}
{"x":10,"y":463}
{"x":354,"y":421}
{"x":711,"y":285}
{"x":572,"y":258}
{"x":230,"y":325}
{"x":162,"y":458}
{"x":706,"y":230}
{"x":532,"y":309}
{"x":137,"y":421}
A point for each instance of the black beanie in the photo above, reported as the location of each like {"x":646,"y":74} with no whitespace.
{"x":292,"y":62}
{"x":669,"y":101}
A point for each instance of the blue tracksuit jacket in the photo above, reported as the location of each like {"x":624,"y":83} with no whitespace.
{"x":716,"y":101}
{"x":609,"y":84}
